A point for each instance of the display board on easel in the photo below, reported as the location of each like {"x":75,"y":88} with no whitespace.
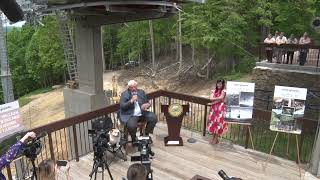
{"x":239,"y":104}
{"x":239,"y":101}
{"x":288,"y":106}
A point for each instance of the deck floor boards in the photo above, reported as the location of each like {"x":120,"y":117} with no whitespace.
{"x":184,"y":162}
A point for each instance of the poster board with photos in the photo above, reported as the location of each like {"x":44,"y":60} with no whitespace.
{"x":10,"y":119}
{"x":288,"y":106}
{"x":239,"y":101}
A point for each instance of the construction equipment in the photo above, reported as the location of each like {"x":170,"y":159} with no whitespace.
{"x":115,"y":97}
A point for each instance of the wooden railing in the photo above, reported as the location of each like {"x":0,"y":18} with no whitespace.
{"x":64,"y":140}
{"x":313,"y":56}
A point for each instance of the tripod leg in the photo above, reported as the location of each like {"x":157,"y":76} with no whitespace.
{"x":107,"y":167}
{"x":34,"y":174}
{"x":103,"y":172}
{"x":95,"y":175}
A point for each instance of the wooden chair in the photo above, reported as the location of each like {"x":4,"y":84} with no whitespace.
{"x":124,"y":130}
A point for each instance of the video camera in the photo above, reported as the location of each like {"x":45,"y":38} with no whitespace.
{"x":143,"y":144}
{"x":224,"y":176}
{"x":33,"y":147}
{"x":100,"y":135}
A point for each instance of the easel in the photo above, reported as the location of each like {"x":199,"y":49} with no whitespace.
{"x":248,"y":124}
{"x":297,"y":146}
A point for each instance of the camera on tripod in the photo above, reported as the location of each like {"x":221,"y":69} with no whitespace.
{"x":100,"y":138}
{"x":33,"y":147}
{"x":143,"y":144}
{"x":100,"y":135}
{"x":224,"y":176}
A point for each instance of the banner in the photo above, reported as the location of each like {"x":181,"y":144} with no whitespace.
{"x":10,"y":119}
{"x":288,"y":105}
{"x":240,"y":97}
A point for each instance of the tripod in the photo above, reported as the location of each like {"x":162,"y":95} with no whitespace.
{"x":115,"y":150}
{"x":100,"y":161}
{"x":34,"y":174}
{"x":149,"y":172}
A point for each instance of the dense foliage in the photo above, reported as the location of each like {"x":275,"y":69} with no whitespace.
{"x":228,"y":30}
{"x":231,"y":30}
{"x":36,"y":56}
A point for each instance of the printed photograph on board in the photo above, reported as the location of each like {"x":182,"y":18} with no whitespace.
{"x":288,"y":106}
{"x":239,"y":101}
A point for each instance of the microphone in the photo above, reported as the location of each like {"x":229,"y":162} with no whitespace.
{"x":134,"y":93}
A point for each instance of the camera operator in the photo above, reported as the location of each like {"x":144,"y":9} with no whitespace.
{"x":146,"y":154}
{"x":14,"y":150}
{"x":137,"y":172}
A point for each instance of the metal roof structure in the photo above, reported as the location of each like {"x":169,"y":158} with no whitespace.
{"x":110,"y":12}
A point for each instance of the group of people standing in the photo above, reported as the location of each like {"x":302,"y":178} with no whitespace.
{"x":278,"y":52}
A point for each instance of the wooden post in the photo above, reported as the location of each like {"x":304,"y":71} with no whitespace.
{"x":247,"y":138}
{"x":298,"y":154}
{"x":301,"y":141}
{"x":318,"y":58}
{"x":75,"y":142}
{"x":51,"y":146}
{"x":250,"y":134}
{"x":274,"y":142}
{"x":288,"y":143}
{"x":154,"y":105}
{"x":9,"y":172}
{"x":204,"y":130}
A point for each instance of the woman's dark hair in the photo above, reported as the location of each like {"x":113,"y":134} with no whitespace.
{"x":223,"y":84}
{"x":46,"y":170}
{"x":137,"y":172}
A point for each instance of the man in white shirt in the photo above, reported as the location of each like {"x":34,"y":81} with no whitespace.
{"x":134,"y":107}
{"x":280,"y":50}
{"x":269,"y":40}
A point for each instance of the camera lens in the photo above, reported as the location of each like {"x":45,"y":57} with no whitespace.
{"x":223,"y":175}
{"x":316,"y":23}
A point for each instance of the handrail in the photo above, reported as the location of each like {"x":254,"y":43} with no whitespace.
{"x":199,"y":114}
{"x":295,"y":46}
{"x":60,"y":124}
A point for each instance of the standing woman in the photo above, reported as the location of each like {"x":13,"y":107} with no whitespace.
{"x":216,"y":124}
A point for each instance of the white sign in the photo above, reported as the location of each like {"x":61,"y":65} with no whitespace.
{"x":240,"y":97}
{"x":10,"y":119}
{"x":288,"y":105}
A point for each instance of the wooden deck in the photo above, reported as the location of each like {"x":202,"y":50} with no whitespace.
{"x":173,"y":163}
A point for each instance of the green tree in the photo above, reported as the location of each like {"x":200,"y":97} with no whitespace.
{"x":17,"y":43}
{"x":44,"y":58}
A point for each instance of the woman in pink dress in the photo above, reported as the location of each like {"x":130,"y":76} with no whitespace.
{"x":216,"y":124}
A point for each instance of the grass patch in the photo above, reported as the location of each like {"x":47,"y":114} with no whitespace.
{"x":24,"y":100}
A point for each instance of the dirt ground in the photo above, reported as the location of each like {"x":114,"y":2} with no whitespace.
{"x":49,"y":107}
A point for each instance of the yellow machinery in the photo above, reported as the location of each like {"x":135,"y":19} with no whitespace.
{"x":115,"y":97}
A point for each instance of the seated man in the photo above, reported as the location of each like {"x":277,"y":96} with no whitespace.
{"x":133,"y":108}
